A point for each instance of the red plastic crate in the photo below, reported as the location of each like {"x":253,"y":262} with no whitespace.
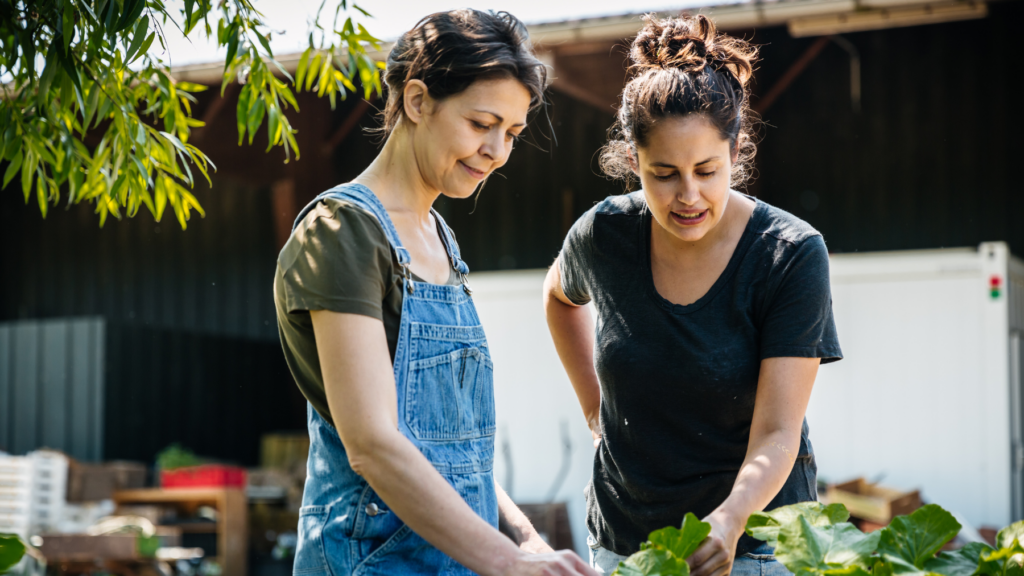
{"x":205,"y":476}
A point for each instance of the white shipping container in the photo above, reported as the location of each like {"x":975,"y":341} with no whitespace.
{"x":928,"y":395}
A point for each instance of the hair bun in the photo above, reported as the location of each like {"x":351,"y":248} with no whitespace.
{"x":689,"y":44}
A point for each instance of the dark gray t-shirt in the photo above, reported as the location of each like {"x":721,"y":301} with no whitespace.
{"x":678,"y":383}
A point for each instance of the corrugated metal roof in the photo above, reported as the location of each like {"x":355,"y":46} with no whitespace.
{"x":731,"y":16}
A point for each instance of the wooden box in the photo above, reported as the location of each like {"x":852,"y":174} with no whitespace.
{"x":873,"y":502}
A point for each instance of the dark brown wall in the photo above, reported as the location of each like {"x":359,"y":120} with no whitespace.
{"x":932,"y":158}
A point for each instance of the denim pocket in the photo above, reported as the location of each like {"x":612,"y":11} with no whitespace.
{"x":309,"y":552}
{"x":451,"y":396}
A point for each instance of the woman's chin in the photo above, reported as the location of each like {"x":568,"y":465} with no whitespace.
{"x":458,"y":192}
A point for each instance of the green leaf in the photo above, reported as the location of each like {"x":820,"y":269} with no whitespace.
{"x":300,"y":71}
{"x":68,"y":24}
{"x":13,"y":168}
{"x":652,"y":562}
{"x":255,"y":118}
{"x":145,"y":45}
{"x":962,"y":562}
{"x":232,"y":34}
{"x":918,"y":537}
{"x":766,"y":525}
{"x":140,"y":36}
{"x":264,"y":42}
{"x":11,"y":551}
{"x":804,"y":546}
{"x":681,"y":542}
{"x":1006,"y":536}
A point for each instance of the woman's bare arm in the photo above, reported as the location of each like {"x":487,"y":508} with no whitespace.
{"x":572,"y":329}
{"x":783,"y":391}
{"x":361,"y":394}
{"x":522,"y":529}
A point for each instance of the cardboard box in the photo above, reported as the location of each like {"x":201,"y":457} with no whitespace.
{"x":90,"y":482}
{"x":85,"y":548}
{"x":873,"y":502}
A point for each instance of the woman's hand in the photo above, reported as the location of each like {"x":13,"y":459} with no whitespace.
{"x":715,"y":555}
{"x":561,"y":563}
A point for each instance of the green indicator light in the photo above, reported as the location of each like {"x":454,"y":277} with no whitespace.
{"x":995,"y":293}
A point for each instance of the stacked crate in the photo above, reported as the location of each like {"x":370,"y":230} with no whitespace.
{"x":16,"y":493}
{"x":32,"y":492}
{"x":49,"y":490}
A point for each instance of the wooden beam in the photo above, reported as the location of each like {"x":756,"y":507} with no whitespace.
{"x":347,"y":126}
{"x":582,"y":94}
{"x":764,"y":103}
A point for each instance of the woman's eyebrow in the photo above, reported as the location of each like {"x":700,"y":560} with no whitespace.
{"x":500,"y":119}
{"x":706,"y":161}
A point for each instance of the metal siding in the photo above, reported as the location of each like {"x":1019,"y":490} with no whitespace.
{"x":215,"y":277}
{"x":25,"y":406}
{"x":81,"y":388}
{"x":54,"y":411}
{"x":48,"y":386}
{"x":6,"y":389}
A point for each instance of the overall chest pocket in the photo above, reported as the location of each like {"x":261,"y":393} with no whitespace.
{"x":449,"y":392}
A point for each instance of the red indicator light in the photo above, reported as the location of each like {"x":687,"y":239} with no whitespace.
{"x":995,"y":281}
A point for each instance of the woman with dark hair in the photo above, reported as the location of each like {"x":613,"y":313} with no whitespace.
{"x":380,"y":332}
{"x":713,"y":314}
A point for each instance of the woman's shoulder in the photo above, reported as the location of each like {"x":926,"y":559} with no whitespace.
{"x":337,"y":227}
{"x":775,"y":225}
{"x":631,"y":204}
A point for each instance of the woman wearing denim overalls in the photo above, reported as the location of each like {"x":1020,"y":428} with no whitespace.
{"x":713,"y":314}
{"x":380,"y":332}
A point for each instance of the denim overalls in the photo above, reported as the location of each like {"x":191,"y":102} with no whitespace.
{"x":443,"y":375}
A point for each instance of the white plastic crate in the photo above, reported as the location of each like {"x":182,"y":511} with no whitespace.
{"x":16,"y":487}
{"x":49,"y":490}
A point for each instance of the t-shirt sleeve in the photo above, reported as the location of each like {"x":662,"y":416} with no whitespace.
{"x":798,"y":319}
{"x":576,"y":259}
{"x":338,"y":259}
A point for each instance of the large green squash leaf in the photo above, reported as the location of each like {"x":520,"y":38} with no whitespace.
{"x":666,"y":550}
{"x":1012,"y":532}
{"x":766,"y":525}
{"x":653,"y":562}
{"x":681,"y":542}
{"x":913,"y":540}
{"x":804,"y":547}
{"x":11,"y":551}
{"x":962,"y":562}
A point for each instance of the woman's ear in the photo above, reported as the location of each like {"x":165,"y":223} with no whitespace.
{"x":414,"y":97}
{"x":736,"y":151}
{"x":634,"y":165}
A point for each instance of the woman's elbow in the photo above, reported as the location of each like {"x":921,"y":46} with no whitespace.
{"x":367,"y":449}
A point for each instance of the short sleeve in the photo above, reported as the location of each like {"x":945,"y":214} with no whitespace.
{"x":576,"y":259}
{"x":798,"y":319}
{"x":337,"y":259}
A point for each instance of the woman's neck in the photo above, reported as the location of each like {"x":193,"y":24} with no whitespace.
{"x":397,"y":180}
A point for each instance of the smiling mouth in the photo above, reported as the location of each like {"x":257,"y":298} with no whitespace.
{"x":689,"y":218}
{"x":479,"y":174}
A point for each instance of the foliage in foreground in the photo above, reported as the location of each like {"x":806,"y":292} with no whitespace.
{"x":72,"y":68}
{"x":812,"y":539}
{"x":11,"y":551}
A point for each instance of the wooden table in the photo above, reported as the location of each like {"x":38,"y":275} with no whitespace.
{"x":232,"y":524}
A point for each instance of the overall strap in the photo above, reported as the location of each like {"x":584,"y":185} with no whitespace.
{"x":364,"y":198}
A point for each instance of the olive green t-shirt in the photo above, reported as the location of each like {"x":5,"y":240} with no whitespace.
{"x":339,"y":259}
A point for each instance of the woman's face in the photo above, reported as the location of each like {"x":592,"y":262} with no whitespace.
{"x":461,"y":140}
{"x":685,"y":170}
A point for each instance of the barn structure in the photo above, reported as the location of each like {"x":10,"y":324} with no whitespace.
{"x":888,"y":124}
